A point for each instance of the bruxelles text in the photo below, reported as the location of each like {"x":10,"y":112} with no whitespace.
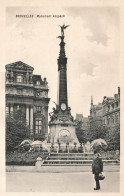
{"x":39,"y":16}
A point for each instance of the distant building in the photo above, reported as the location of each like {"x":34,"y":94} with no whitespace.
{"x":111,"y":110}
{"x":28,"y":93}
{"x":79,"y":117}
{"x":96,"y":113}
{"x":84,"y":121}
{"x":106,"y":113}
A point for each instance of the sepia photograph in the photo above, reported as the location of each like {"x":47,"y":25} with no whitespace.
{"x":62,"y":77}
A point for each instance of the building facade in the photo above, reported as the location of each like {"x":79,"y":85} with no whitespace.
{"x":111,"y":110}
{"x":106,"y":113}
{"x":29,"y":94}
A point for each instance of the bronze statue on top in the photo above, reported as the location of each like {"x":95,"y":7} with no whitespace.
{"x":62,"y":29}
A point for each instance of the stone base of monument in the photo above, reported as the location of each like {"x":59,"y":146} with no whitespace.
{"x":64,"y":147}
{"x":63,"y":134}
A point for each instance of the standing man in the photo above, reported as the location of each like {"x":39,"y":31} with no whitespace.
{"x":97,"y":168}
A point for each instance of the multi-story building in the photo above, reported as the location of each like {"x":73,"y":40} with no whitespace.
{"x":28,"y":93}
{"x":111,"y":110}
{"x":105,"y":114}
{"x":108,"y":112}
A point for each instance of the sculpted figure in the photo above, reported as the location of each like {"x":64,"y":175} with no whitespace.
{"x":62,"y":29}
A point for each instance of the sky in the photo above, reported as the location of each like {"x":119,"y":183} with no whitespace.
{"x":92,"y":48}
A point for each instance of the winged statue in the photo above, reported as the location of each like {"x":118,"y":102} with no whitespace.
{"x":62,"y":28}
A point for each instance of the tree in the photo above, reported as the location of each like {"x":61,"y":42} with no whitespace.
{"x":97,"y":130}
{"x":110,"y":135}
{"x":82,"y":134}
{"x":16,"y":130}
{"x":113,"y":138}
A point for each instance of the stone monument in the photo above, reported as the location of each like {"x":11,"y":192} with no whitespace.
{"x":62,"y":126}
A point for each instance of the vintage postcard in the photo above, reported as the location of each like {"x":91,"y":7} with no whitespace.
{"x":62,"y":98}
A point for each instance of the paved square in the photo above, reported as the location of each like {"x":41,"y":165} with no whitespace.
{"x":60,"y":182}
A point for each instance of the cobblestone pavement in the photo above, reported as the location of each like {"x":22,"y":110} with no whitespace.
{"x":60,"y":182}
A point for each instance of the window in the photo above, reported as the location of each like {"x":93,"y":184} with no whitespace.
{"x":37,"y":82}
{"x":38,"y":126}
{"x":38,"y":108}
{"x":19,"y":78}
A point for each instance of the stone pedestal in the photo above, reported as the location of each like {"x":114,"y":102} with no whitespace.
{"x":62,"y":128}
{"x":63,"y":134}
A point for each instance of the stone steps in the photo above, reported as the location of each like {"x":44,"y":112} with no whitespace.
{"x":71,"y":154}
{"x":69,"y":158}
{"x":77,"y":162}
{"x":73,"y":159}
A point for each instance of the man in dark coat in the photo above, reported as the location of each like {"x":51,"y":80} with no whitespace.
{"x":97,"y":168}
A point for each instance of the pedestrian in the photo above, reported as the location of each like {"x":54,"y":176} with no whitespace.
{"x":97,"y":168}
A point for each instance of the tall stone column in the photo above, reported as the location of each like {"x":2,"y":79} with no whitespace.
{"x":58,"y":89}
{"x":62,"y":69}
{"x":7,"y":109}
{"x":17,"y":107}
{"x":31,"y":120}
{"x":46,"y":120}
{"x":27,"y":115}
{"x":11,"y":108}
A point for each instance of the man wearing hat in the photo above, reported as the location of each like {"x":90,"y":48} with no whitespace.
{"x":97,"y":168}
